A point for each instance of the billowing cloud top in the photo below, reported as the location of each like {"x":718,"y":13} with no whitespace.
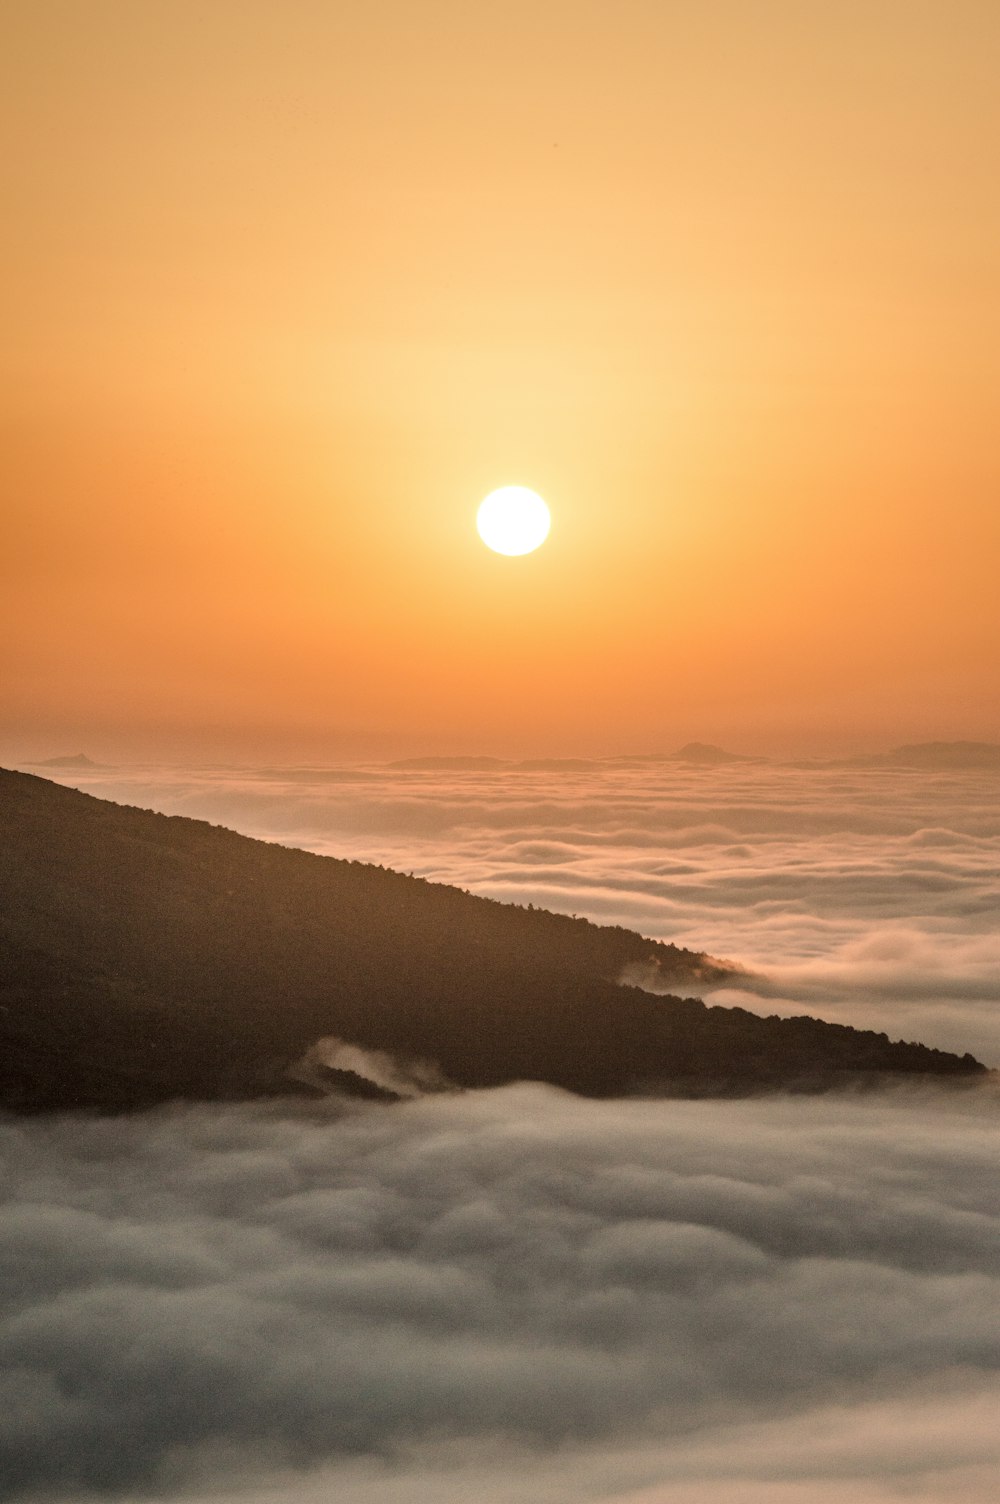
{"x":517,"y":1289}
{"x":519,"y":1297}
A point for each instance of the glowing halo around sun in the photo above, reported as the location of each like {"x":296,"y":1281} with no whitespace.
{"x":513,"y":520}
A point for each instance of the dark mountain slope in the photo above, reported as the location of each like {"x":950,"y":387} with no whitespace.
{"x":148,"y":957}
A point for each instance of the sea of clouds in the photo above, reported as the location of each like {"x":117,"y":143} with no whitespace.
{"x":868,"y":896}
{"x":507,"y":1296}
{"x":517,"y":1296}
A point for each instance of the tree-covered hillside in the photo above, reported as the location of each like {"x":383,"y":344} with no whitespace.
{"x":147,"y":957}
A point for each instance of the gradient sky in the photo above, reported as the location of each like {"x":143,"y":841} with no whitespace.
{"x":290,"y":287}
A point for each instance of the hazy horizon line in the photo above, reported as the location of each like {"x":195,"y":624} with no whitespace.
{"x":53,"y":752}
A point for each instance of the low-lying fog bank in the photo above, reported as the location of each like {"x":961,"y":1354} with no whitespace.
{"x":513,"y":1296}
{"x":867,"y":896}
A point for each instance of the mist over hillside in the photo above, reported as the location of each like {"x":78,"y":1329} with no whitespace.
{"x":148,"y":957}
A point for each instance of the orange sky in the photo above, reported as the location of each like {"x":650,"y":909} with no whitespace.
{"x":289,"y":287}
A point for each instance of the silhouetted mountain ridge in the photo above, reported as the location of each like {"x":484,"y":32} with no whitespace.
{"x":148,"y":957}
{"x":951,"y":755}
{"x":71,"y":760}
{"x":946,"y":755}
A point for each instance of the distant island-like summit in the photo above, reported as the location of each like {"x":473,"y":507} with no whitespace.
{"x":148,"y":958}
{"x":70,"y":760}
{"x":954,"y":756}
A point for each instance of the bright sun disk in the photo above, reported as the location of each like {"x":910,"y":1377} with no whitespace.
{"x":513,"y":520}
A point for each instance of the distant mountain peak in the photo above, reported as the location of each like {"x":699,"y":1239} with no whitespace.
{"x":706,"y":752}
{"x":74,"y":760}
{"x":942,"y":757}
{"x":958,"y":754}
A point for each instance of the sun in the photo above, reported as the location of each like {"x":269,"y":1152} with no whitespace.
{"x":513,"y":520}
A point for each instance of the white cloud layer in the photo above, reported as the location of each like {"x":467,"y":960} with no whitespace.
{"x":510,"y":1296}
{"x":521,"y":1298}
{"x":865,"y":895}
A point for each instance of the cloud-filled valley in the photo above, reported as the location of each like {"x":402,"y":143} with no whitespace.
{"x":865,"y":895}
{"x":501,"y":1280}
{"x":523,"y":1297}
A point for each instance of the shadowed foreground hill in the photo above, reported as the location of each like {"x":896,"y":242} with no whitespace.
{"x":147,"y":957}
